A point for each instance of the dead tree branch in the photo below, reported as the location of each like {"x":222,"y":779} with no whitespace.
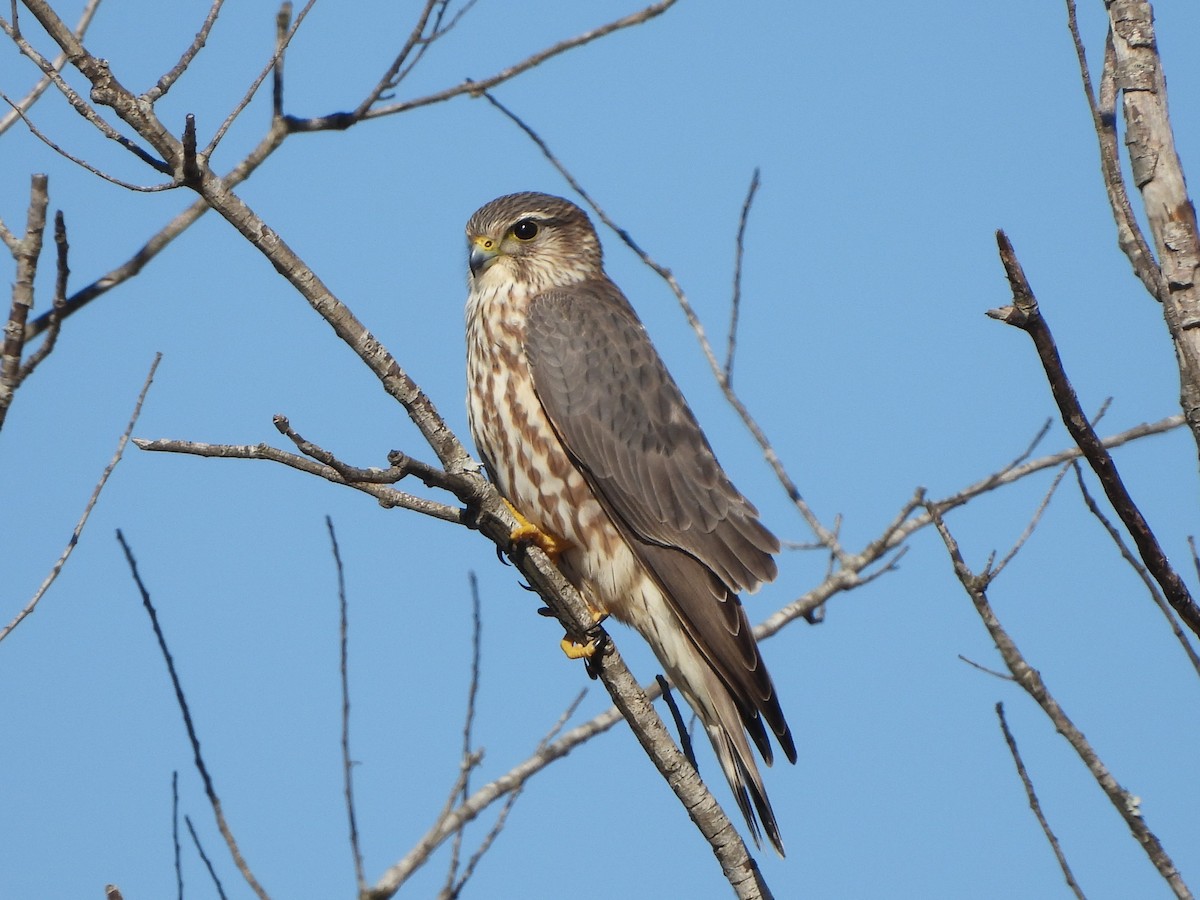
{"x":209,"y":789}
{"x":1133,"y":70}
{"x":1035,"y":804}
{"x":1025,"y":315}
{"x":87,"y":510}
{"x":1126,"y":804}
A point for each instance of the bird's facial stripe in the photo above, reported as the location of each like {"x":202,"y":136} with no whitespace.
{"x":538,"y":221}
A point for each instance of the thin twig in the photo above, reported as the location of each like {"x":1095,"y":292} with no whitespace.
{"x":175,"y":834}
{"x":87,"y":510}
{"x":993,"y":573}
{"x":1003,"y":676}
{"x":344,"y":677}
{"x":82,"y":163}
{"x":1034,"y":804}
{"x":71,"y":45}
{"x":453,"y":818}
{"x":451,"y":887}
{"x":35,"y":93}
{"x":502,"y":817}
{"x":685,"y":735}
{"x":212,"y":872}
{"x":735,"y":304}
{"x":1138,"y":568}
{"x":1032,"y":525}
{"x":283,"y":24}
{"x":198,"y":758}
{"x":476,"y":87}
{"x":281,"y":45}
{"x":369,"y":481}
{"x":165,"y":83}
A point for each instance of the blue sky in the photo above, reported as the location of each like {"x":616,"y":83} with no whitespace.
{"x":892,"y":142}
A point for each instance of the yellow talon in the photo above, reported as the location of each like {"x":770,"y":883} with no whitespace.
{"x":528,"y":533}
{"x":576,"y":650}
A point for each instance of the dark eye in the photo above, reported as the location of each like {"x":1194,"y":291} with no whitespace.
{"x":525,"y":230}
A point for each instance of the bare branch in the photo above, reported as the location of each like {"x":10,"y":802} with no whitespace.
{"x":281,"y":45}
{"x":416,"y":38}
{"x":212,"y":872}
{"x":60,"y":298}
{"x":26,"y":103}
{"x":163,"y":237}
{"x":369,"y":481}
{"x":87,"y":510}
{"x":175,"y":834}
{"x":27,"y":254}
{"x":1024,"y":314}
{"x":739,"y":252}
{"x":1034,"y":804}
{"x":1126,"y":804}
{"x":453,"y":819}
{"x":82,"y":163}
{"x":1104,"y":120}
{"x":344,"y":677}
{"x":453,"y":884}
{"x":96,"y":71}
{"x":477,"y":87}
{"x":281,"y":127}
{"x":905,"y":525}
{"x":1155,"y":593}
{"x":165,"y":83}
{"x":1158,"y":174}
{"x":230,"y":842}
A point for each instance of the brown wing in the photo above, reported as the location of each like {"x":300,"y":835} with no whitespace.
{"x":625,"y":423}
{"x":623,"y":419}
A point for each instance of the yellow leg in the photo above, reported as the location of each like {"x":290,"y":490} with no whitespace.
{"x":528,"y":533}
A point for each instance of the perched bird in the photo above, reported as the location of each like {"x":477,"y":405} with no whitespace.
{"x":585,"y":433}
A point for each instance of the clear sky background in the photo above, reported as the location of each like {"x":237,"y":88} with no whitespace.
{"x":893,"y":139}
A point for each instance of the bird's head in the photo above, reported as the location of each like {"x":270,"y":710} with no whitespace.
{"x":536,"y":239}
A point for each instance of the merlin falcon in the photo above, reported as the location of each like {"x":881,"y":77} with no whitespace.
{"x":585,"y":433}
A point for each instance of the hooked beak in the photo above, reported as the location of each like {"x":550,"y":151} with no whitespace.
{"x":484,"y":252}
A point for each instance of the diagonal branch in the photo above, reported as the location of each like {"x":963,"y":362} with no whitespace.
{"x":26,"y":103}
{"x":87,"y":510}
{"x":476,"y":88}
{"x":176,"y":72}
{"x":1126,"y":804}
{"x":1025,"y":315}
{"x":213,"y":800}
{"x":1035,"y":804}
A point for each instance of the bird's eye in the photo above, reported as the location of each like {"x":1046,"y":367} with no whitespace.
{"x":525,"y":230}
